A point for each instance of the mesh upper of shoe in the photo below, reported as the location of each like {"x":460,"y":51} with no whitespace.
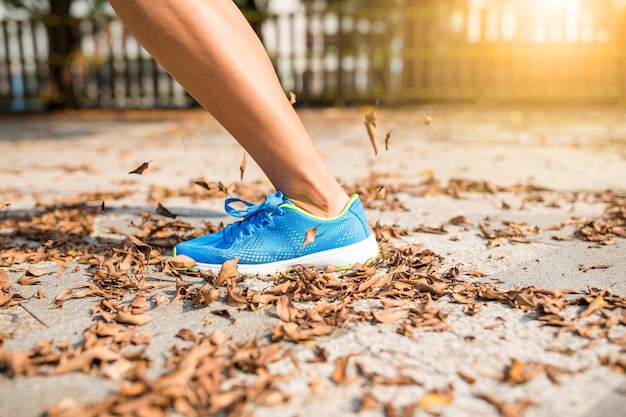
{"x":275,"y":230}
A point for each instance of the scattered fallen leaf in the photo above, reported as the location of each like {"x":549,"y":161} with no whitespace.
{"x":434,"y":398}
{"x":507,"y":409}
{"x":183,"y":262}
{"x":598,"y":303}
{"x":242,"y":166}
{"x":129,"y":318}
{"x":370,"y":124}
{"x":227,"y":272}
{"x":390,"y":316}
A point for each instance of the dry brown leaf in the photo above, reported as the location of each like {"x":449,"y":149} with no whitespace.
{"x":368,"y":401}
{"x":434,"y":398}
{"x":390,"y":316}
{"x":309,"y":236}
{"x":227,"y":271}
{"x":341,"y":366}
{"x":183,"y":262}
{"x":508,"y":409}
{"x":141,"y":168}
{"x":242,"y":166}
{"x":381,"y":192}
{"x":139,"y":305}
{"x":64,"y":293}
{"x":285,"y":309}
{"x":466,"y":377}
{"x":14,"y":363}
{"x":390,"y":410}
{"x":84,"y":360}
{"x":142,"y":247}
{"x":125,"y":317}
{"x":28,"y":280}
{"x":392,"y":302}
{"x":5,"y":283}
{"x":370,"y":124}
{"x":387,"y":137}
{"x":598,"y":303}
{"x":459,"y":220}
{"x":235,"y":295}
{"x":165,"y":212}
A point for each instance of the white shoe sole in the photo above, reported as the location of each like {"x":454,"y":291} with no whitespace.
{"x":342,"y":258}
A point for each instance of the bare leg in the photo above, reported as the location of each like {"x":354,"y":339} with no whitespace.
{"x":211,"y":50}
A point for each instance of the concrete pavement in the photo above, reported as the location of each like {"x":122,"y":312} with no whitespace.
{"x":576,"y":154}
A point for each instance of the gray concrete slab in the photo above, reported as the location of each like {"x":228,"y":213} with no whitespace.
{"x":569,"y":151}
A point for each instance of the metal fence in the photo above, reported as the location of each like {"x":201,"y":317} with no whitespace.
{"x":349,"y":52}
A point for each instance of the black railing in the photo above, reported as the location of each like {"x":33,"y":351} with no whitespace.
{"x":342,"y":52}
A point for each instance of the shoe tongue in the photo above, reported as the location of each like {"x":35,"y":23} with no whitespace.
{"x":284,"y":200}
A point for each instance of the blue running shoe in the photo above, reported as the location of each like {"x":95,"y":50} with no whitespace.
{"x":272,"y":237}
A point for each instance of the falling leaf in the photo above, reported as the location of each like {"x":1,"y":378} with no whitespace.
{"x":209,"y":186}
{"x":165,"y":212}
{"x":292,"y":97}
{"x":387,"y":137}
{"x":228,"y":271}
{"x":141,"y":168}
{"x":370,"y":124}
{"x":242,"y":166}
{"x":309,"y":236}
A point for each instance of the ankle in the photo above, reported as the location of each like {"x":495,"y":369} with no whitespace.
{"x":321,"y":205}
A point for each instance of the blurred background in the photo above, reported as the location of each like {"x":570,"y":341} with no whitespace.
{"x":69,"y":54}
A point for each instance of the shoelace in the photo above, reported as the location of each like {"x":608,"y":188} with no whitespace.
{"x":254,"y":216}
